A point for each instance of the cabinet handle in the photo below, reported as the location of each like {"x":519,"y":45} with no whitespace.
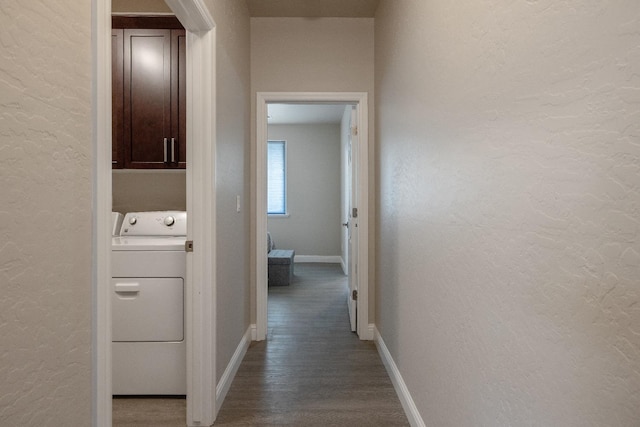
{"x":165,"y":150}
{"x":173,"y":150}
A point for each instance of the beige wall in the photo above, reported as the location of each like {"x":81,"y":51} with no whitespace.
{"x":313,"y":190}
{"x":147,"y":190}
{"x":315,"y":55}
{"x":509,"y":230}
{"x":319,"y":54}
{"x":45,"y":212}
{"x":232,"y":176}
{"x":140,"y":6}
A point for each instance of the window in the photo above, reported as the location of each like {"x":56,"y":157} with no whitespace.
{"x":276,"y":178}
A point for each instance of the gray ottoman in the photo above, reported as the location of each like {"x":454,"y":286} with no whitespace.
{"x":280,"y":270}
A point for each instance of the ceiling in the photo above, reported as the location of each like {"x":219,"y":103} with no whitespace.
{"x":280,"y":114}
{"x":313,"y":8}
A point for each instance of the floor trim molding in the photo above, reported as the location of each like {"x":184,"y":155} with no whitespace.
{"x":230,"y":372}
{"x":398,"y":382}
{"x":331,"y":259}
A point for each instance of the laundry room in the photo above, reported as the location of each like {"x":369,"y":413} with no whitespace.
{"x":148,"y":201}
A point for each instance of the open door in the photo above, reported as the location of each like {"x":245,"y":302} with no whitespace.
{"x":352,"y":220}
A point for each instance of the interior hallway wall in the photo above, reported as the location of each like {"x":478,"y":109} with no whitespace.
{"x":232,"y":176}
{"x":45,"y":212}
{"x":313,"y":190}
{"x":315,"y":55}
{"x":140,"y":6}
{"x":509,"y":217}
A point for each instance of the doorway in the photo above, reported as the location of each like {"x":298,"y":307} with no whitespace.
{"x":200,"y":312}
{"x":309,"y":188}
{"x":360,"y":226}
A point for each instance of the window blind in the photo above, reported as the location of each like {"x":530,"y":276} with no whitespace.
{"x":276,"y":178}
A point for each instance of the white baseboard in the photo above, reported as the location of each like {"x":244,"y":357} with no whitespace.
{"x":398,"y":383}
{"x":254,"y":332}
{"x":332,"y":259}
{"x":230,"y":372}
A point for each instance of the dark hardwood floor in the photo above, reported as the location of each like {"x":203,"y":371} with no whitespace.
{"x":311,"y":371}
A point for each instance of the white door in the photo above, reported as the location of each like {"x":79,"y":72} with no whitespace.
{"x":352,"y":223}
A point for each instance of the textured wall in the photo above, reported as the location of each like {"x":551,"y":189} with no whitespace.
{"x":232,"y":175}
{"x":316,"y":55}
{"x":45,"y":213}
{"x":313,"y":8}
{"x":313,"y":190}
{"x":509,"y":215}
{"x":138,"y":6}
{"x":324,"y":54}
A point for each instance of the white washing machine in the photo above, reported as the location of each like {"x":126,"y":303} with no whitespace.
{"x":148,"y":304}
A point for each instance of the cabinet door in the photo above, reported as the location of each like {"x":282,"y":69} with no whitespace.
{"x":179,"y":96}
{"x":147,"y":97}
{"x":117,"y":98}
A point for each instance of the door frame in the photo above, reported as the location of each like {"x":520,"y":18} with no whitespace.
{"x":360,"y":100}
{"x":200,"y":173}
{"x":352,"y":223}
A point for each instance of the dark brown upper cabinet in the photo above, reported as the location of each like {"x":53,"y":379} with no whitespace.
{"x":149,"y":93}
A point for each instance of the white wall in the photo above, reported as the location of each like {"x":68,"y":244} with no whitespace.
{"x":509,"y":229}
{"x":313,"y":190}
{"x":45,"y":212}
{"x":314,"y":55}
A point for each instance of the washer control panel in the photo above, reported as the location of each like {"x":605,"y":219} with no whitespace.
{"x":156,"y":223}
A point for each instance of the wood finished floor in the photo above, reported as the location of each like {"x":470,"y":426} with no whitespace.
{"x":311,"y":371}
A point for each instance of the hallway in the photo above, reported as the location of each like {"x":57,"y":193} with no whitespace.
{"x":311,"y":370}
